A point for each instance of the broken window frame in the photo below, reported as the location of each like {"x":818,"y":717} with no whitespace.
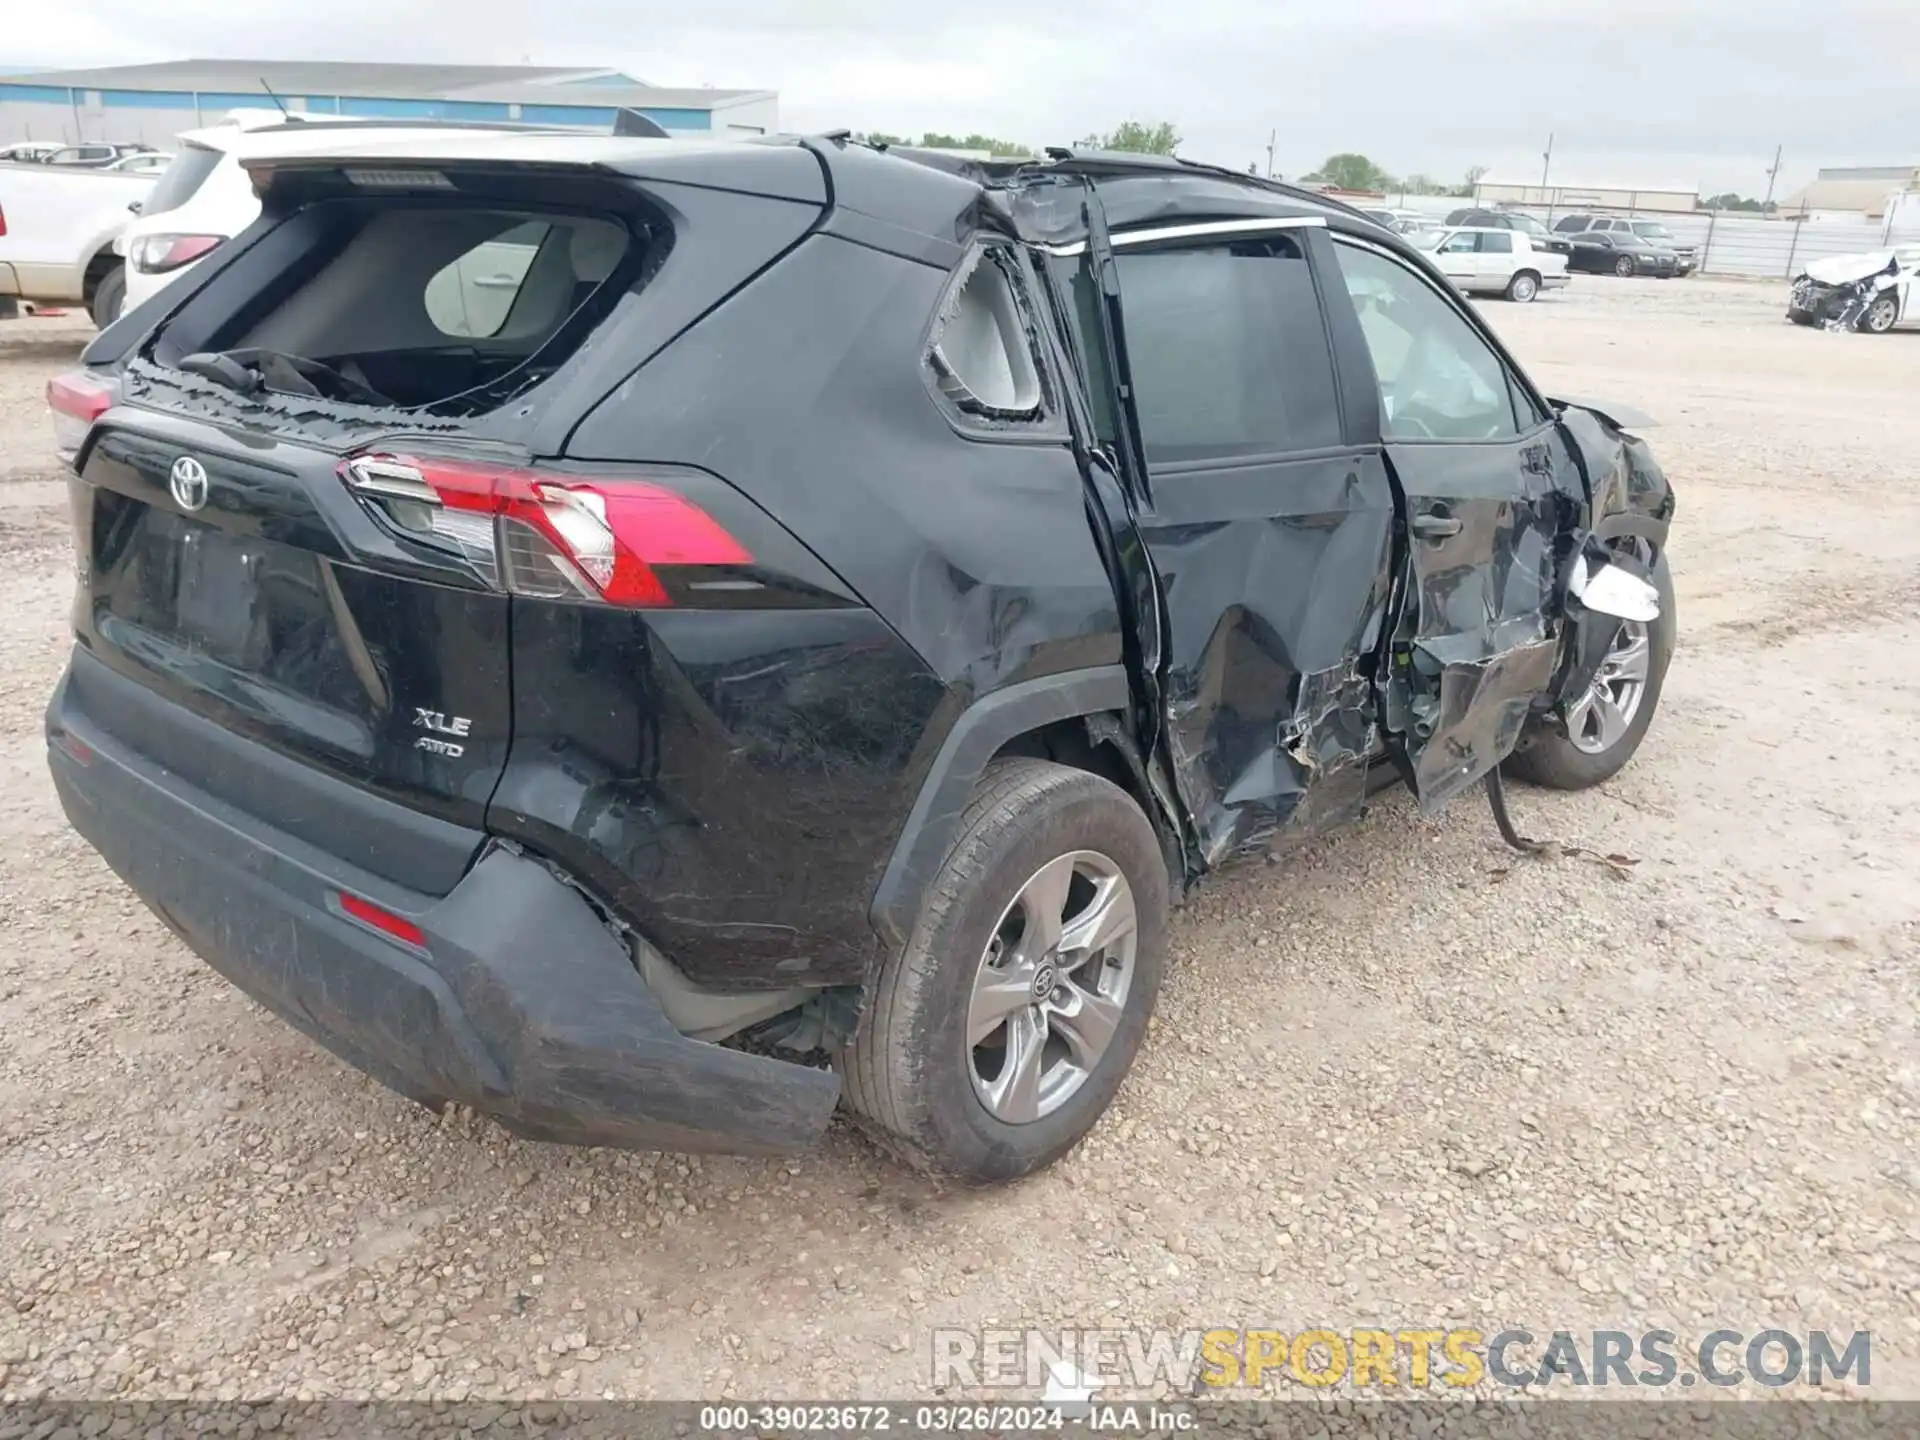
{"x":968,"y":412}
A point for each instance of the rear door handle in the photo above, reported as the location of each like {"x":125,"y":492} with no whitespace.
{"x":1435,"y":527}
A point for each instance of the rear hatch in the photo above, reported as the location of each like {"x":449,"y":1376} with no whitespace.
{"x":304,"y":523}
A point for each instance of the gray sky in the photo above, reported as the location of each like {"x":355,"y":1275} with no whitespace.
{"x":1649,"y":92}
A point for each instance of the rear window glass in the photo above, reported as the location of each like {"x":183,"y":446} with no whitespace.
{"x":182,"y":178}
{"x":449,"y":306}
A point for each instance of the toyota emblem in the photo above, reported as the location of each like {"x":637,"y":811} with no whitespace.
{"x":188,"y":482}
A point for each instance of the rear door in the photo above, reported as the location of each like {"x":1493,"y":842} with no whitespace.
{"x":1268,"y":523}
{"x":1459,"y":258}
{"x":1908,"y":283}
{"x":1490,"y":490}
{"x":1494,"y":259}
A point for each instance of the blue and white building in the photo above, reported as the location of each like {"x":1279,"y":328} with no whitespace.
{"x":150,"y":104}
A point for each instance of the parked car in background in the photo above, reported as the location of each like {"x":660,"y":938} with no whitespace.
{"x":1621,"y":252}
{"x":1876,"y":291}
{"x":1401,"y":222}
{"x":147,"y":162}
{"x":1487,"y":261}
{"x":58,"y":225}
{"x":95,"y":156}
{"x":1653,"y":232}
{"x":27,"y":152}
{"x":522,"y":714}
{"x":1517,"y":220}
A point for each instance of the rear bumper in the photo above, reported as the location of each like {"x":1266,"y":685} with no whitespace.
{"x":520,"y":1003}
{"x":1553,"y":282}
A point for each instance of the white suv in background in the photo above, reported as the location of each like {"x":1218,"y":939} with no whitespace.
{"x":1485,"y":261}
{"x":200,"y":199}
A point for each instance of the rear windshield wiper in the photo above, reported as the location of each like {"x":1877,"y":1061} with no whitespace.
{"x":249,"y":371}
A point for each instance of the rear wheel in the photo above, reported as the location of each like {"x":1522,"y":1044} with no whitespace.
{"x":1523,"y":287}
{"x":1001,"y":1032}
{"x":1880,"y":315}
{"x":109,"y":297}
{"x":1598,"y":732}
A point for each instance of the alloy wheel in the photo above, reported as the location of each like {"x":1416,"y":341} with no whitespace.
{"x":1600,"y":718}
{"x":1881,"y":317}
{"x":1052,"y":987}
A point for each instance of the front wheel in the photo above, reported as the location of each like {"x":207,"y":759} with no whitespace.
{"x":1002,"y":1031}
{"x":1598,"y":731}
{"x":1624,"y":266}
{"x":1523,"y":287}
{"x":1880,"y":315}
{"x":109,"y":297}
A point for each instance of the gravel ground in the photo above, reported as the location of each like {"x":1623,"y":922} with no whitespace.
{"x":1405,"y":1079}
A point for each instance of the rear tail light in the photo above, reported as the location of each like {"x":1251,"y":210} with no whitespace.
{"x":77,"y":399}
{"x":3,"y":219}
{"x":157,"y":254}
{"x":383,"y":920}
{"x":545,"y":536}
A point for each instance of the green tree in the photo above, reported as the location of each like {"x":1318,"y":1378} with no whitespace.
{"x":1351,"y":171}
{"x":1159,"y":138}
{"x":880,"y":137}
{"x":1733,"y":201}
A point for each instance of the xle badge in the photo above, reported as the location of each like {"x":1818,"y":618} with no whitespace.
{"x":441,"y":724}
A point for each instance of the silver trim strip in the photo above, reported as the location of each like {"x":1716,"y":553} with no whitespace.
{"x":1198,"y":230}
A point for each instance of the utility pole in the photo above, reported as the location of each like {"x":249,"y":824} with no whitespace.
{"x":1772,"y":175}
{"x":1546,"y":164}
{"x":1272,"y":137}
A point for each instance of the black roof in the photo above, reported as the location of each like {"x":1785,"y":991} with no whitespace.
{"x":1042,"y":199}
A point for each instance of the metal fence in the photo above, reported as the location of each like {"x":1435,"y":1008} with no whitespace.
{"x":1737,"y":243}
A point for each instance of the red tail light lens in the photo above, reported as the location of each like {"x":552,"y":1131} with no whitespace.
{"x":77,"y":399}
{"x":383,"y":920}
{"x":157,"y":254}
{"x":555,"y":537}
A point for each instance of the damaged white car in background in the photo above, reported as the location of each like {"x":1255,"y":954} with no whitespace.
{"x":1874,"y":292}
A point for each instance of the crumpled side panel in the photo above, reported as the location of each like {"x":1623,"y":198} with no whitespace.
{"x":1274,"y":623}
{"x":1476,"y":710}
{"x":1477,"y":642}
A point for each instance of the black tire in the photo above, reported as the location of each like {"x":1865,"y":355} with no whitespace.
{"x":1624,"y":267}
{"x":1547,"y":757}
{"x":109,"y":297}
{"x":1880,"y":315}
{"x":906,"y":1074}
{"x":1522,"y":288}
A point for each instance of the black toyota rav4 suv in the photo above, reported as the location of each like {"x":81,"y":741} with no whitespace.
{"x":653,"y":640}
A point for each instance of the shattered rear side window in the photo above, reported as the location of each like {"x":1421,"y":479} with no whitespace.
{"x":984,"y":352}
